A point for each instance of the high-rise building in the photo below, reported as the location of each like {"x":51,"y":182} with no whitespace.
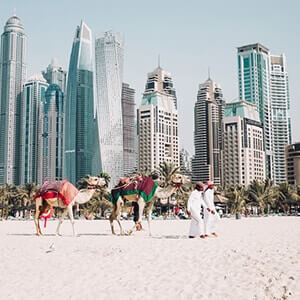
{"x":129,"y":129}
{"x":185,"y":162}
{"x":263,"y":80}
{"x":32,"y":102}
{"x":109,"y":77}
{"x":243,"y":152}
{"x":81,"y":130}
{"x":161,"y":81}
{"x":254,"y":87}
{"x":12,"y":78}
{"x":55,"y":74}
{"x":158,"y":140}
{"x":292,"y":155}
{"x":281,"y":122}
{"x":208,"y":116}
{"x":51,"y":139}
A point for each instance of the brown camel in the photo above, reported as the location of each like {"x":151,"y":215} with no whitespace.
{"x":161,"y":193}
{"x":80,"y":197}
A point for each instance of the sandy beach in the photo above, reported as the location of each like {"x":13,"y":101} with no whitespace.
{"x":253,"y":258}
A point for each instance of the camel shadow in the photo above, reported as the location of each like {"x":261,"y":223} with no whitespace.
{"x":170,"y":237}
{"x":29,"y":234}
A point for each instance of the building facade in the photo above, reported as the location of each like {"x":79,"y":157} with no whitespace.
{"x":80,"y":129}
{"x":55,"y":74}
{"x":109,"y":52}
{"x":292,"y":154}
{"x":161,"y":81}
{"x":12,"y":78}
{"x":185,"y":159}
{"x":129,"y":129}
{"x":281,"y":122}
{"x":51,"y":139}
{"x":33,"y":99}
{"x":208,"y":140}
{"x":243,"y":151}
{"x":157,"y":120}
{"x":263,"y":80}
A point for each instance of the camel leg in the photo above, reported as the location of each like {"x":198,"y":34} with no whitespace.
{"x":70,"y":211}
{"x":36,"y":218}
{"x":61,"y":219}
{"x":112,"y":217}
{"x":149,"y":217}
{"x":141,"y":204}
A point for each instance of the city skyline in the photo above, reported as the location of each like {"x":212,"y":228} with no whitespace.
{"x":188,"y":64}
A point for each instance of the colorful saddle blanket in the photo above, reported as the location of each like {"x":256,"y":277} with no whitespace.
{"x":62,"y":189}
{"x":145,"y":187}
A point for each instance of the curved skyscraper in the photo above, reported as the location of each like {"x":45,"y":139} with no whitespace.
{"x":12,"y":78}
{"x":109,"y":75}
{"x":81,"y":132}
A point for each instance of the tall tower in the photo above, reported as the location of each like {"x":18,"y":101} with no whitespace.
{"x":33,"y":99}
{"x":158,"y":140}
{"x":281,"y":122}
{"x":81,"y":137}
{"x":254,"y":87}
{"x":109,"y":77}
{"x":12,"y":78}
{"x":208,"y":116}
{"x":55,"y":74}
{"x":243,"y":152}
{"x":129,"y":128}
{"x":52,"y":135}
{"x":161,"y":81}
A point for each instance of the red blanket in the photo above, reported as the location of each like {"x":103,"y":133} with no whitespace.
{"x":63,"y":190}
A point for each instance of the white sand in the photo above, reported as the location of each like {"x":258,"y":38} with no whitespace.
{"x":254,"y":258}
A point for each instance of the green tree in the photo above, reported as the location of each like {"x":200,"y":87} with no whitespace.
{"x":236,"y":199}
{"x":166,"y":171}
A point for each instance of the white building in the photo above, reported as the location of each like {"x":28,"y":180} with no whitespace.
{"x":281,"y":122}
{"x":157,"y":126}
{"x":243,"y":152}
{"x":12,"y":78}
{"x":109,"y":77}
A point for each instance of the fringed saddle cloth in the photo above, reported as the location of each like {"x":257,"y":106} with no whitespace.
{"x":53,"y":191}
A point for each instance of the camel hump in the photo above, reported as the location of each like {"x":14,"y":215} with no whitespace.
{"x":54,"y":186}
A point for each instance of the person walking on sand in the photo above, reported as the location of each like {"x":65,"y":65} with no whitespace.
{"x":194,"y":206}
{"x":211,"y":217}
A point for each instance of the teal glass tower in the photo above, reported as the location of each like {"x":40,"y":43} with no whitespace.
{"x":81,"y":130}
{"x":254,"y":87}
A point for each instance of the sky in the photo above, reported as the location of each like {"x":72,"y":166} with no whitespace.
{"x":190,"y":37}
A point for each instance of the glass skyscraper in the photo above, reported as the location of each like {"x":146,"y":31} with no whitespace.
{"x":12,"y":78}
{"x":109,"y":77}
{"x":208,"y":138}
{"x":263,"y":80}
{"x":33,"y":98}
{"x":52,"y":135}
{"x":81,"y":135}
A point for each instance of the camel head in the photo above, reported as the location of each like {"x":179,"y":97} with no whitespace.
{"x":179,"y":179}
{"x":94,"y":182}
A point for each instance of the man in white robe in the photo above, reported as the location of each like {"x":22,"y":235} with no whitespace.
{"x":211,"y":217}
{"x":194,"y":205}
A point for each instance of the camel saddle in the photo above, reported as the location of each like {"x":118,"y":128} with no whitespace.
{"x":58,"y":189}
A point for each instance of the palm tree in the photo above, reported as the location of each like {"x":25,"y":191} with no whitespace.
{"x":166,"y":171}
{"x":106,"y":178}
{"x":285,"y":195}
{"x":261,"y":194}
{"x":26,"y":192}
{"x":236,"y":199}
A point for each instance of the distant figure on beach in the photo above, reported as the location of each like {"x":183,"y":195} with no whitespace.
{"x":194,"y":207}
{"x":211,"y":217}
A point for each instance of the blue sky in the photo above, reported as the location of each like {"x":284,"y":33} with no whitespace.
{"x":190,"y":36}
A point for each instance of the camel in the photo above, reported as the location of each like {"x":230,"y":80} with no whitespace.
{"x":80,"y":197}
{"x":160,"y":193}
